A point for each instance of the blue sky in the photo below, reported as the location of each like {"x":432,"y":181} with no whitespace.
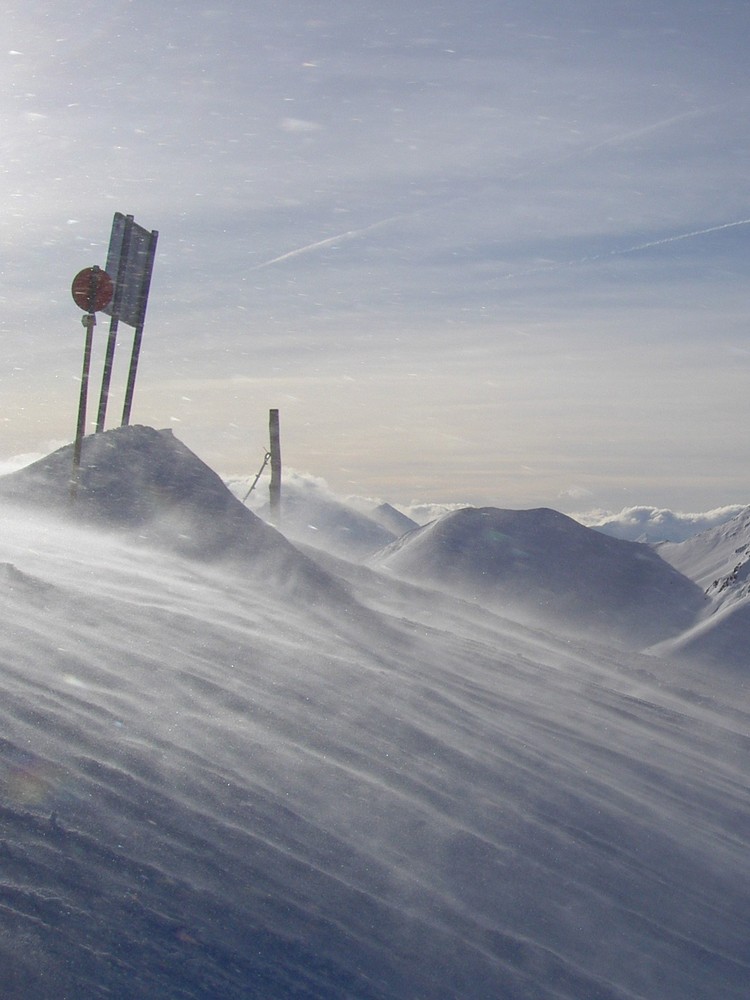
{"x":484,"y":252}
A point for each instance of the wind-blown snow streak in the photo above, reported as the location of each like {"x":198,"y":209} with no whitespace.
{"x":206,"y":793}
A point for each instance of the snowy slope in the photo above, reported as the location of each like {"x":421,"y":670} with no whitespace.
{"x":544,"y":567}
{"x":720,"y":640}
{"x":210,"y":788}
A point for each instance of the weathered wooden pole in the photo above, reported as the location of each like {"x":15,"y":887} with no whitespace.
{"x":274,"y":489}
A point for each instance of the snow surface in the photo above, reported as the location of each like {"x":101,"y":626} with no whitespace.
{"x":232,"y":769}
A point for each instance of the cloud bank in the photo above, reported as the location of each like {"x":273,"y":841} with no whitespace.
{"x":655,"y":524}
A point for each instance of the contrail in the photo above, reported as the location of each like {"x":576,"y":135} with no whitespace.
{"x":623,"y":137}
{"x":634,"y":249}
{"x":682,"y":236}
{"x":306,"y":249}
{"x":350,"y":234}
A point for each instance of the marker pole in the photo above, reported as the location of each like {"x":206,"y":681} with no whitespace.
{"x":274,"y":489}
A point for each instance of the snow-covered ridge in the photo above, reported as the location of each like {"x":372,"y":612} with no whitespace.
{"x":713,"y":557}
{"x":352,"y":527}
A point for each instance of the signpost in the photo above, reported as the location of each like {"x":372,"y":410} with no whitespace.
{"x":130,"y":260}
{"x":92,"y":290}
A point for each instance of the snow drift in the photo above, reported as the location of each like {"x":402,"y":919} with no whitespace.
{"x":208,"y":789}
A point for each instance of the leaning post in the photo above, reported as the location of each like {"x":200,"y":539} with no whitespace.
{"x":275,"y":452}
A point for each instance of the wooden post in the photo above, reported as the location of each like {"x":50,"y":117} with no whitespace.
{"x":274,"y":489}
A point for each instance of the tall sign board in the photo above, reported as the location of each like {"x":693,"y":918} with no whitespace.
{"x":130,"y":263}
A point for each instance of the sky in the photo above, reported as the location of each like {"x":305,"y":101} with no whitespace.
{"x":491,"y":253}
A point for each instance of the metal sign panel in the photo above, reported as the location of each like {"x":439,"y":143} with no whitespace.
{"x":130,"y":261}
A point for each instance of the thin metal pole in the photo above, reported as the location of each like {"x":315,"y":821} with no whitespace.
{"x":132,"y":372}
{"x":138,"y":337}
{"x":107,"y":374}
{"x":89,"y":321}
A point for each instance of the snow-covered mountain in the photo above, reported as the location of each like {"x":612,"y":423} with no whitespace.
{"x":387,"y":516}
{"x":544,"y":567}
{"x":215,"y":784}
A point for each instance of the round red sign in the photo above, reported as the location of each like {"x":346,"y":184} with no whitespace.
{"x":92,"y":289}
